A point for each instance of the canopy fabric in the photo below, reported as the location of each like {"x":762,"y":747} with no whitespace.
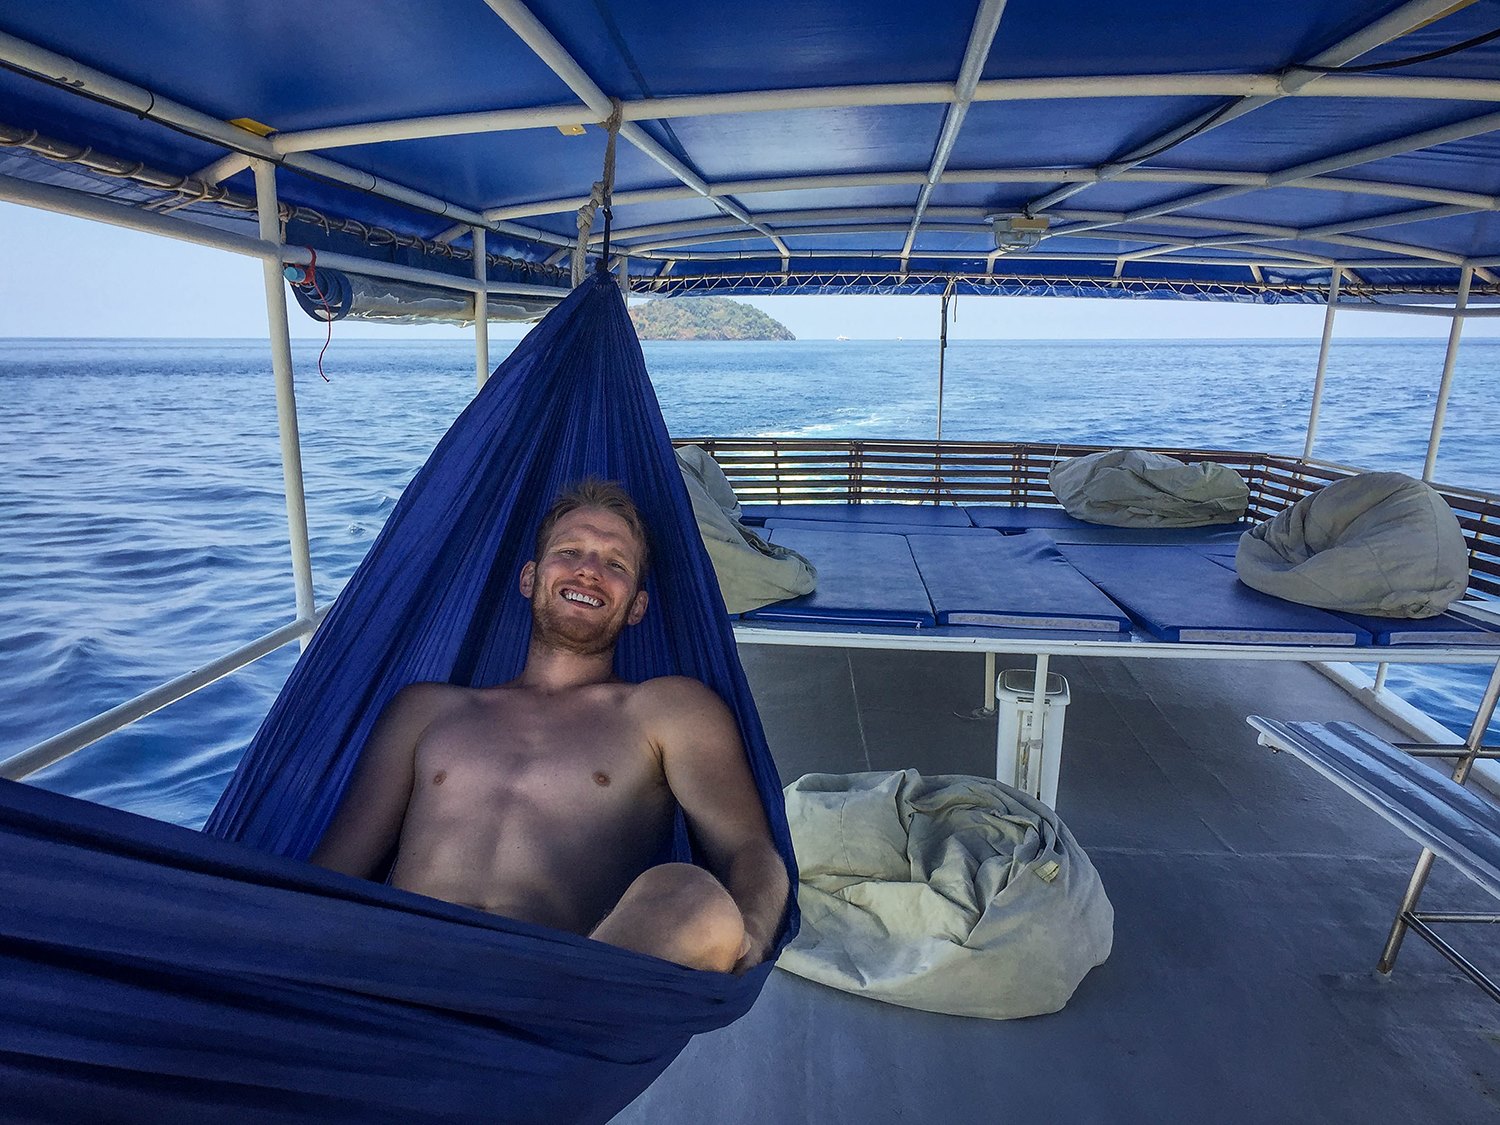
{"x":1199,"y":152}
{"x":161,"y":970}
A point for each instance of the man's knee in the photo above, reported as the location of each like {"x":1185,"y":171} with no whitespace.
{"x":681,"y":913}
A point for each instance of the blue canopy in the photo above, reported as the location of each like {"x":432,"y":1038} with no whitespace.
{"x":1212,"y":152}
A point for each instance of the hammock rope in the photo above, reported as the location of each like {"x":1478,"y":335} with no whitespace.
{"x":160,"y":974}
{"x":599,"y":197}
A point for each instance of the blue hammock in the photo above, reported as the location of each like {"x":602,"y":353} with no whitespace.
{"x":153,"y":973}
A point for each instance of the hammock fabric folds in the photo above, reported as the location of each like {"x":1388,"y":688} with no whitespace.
{"x":154,"y":973}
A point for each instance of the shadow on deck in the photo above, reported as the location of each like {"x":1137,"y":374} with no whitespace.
{"x":1251,"y":901}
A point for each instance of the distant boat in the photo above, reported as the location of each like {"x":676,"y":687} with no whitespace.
{"x":841,"y":337}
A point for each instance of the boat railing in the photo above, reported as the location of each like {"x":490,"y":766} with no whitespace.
{"x":855,"y":471}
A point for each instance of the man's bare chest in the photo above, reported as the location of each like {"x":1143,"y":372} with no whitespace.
{"x":578,"y":757}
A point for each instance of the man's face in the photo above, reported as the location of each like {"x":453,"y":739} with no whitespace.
{"x":584,"y":588}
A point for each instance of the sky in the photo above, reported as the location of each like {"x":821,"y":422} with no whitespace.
{"x":63,"y":276}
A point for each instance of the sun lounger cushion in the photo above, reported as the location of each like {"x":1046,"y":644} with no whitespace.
{"x":1010,"y":581}
{"x":1133,"y":488}
{"x":1445,"y":629}
{"x":1226,"y":535}
{"x":873,"y":582}
{"x":947,"y":893}
{"x":925,"y":515}
{"x":775,"y":522}
{"x":1180,"y":594}
{"x":752,"y":572}
{"x":1021,"y":517}
{"x":1378,"y":543}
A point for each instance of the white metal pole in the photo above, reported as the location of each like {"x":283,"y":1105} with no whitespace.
{"x":942,"y":355}
{"x":1439,"y":412}
{"x":1317,"y":398}
{"x":286,"y":394}
{"x":1031,"y":745}
{"x":481,"y":310}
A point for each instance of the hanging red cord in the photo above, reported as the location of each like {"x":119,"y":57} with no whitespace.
{"x":311,"y":280}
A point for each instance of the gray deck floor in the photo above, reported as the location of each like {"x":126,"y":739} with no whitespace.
{"x":1251,"y":900}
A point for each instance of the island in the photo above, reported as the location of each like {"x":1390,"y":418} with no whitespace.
{"x":705,"y":318}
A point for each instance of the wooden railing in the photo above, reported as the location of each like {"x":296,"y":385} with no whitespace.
{"x":806,"y":471}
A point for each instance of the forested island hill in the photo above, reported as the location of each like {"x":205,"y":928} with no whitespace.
{"x":705,"y":318}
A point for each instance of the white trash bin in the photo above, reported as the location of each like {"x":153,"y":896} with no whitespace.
{"x":1017,"y":762}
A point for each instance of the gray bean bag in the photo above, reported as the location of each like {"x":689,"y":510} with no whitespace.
{"x":950,"y":894}
{"x":1133,"y":488}
{"x":1377,"y":543}
{"x":751,"y":571}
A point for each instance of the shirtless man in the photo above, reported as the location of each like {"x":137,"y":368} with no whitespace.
{"x":547,"y":798}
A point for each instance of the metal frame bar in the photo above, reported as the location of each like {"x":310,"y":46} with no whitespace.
{"x":279,"y":330}
{"x":981,"y":37}
{"x":877,"y":95}
{"x":70,"y":741}
{"x":541,"y":41}
{"x":1084,"y":176}
{"x":481,"y":310}
{"x":1450,"y":358}
{"x":86,"y":205}
{"x":1317,"y":397}
{"x":150,"y":105}
{"x":1390,"y":27}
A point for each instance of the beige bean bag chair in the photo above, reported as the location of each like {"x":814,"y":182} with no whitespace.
{"x":947,"y":893}
{"x":751,"y":571}
{"x":1378,"y":543}
{"x":1133,"y":488}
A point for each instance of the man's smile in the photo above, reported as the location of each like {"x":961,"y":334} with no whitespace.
{"x":581,"y":598}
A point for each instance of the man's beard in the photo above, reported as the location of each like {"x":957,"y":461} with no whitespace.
{"x":572,"y":632}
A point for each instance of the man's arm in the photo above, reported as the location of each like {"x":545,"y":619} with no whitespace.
{"x":368,"y":822}
{"x":705,"y":767}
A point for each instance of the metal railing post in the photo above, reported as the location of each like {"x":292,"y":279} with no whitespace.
{"x":286,"y":394}
{"x":1465,"y":279}
{"x":481,"y":310}
{"x":1317,"y":397}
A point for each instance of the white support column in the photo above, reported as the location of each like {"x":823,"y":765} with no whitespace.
{"x":286,"y":394}
{"x":942,"y":354}
{"x":1317,"y":398}
{"x":481,"y":311}
{"x":1465,"y":279}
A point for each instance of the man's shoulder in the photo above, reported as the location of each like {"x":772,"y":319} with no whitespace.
{"x":668,"y":701}
{"x":684,"y":688}
{"x":431,"y":699}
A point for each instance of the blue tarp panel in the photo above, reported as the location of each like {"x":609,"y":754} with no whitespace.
{"x":920,"y":515}
{"x":1012,"y":581}
{"x":1181,"y":595}
{"x":875,"y":584}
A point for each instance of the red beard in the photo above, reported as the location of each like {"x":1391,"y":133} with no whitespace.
{"x":555,"y":626}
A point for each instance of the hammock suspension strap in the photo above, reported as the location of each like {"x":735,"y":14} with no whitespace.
{"x":600,"y":196}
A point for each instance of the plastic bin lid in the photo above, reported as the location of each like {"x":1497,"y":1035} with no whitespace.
{"x":1020,"y":681}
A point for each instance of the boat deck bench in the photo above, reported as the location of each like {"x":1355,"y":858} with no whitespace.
{"x":1449,"y":821}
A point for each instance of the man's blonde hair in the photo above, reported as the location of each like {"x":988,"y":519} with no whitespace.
{"x":606,"y":495}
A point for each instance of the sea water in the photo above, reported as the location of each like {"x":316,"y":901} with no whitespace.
{"x":143,"y":526}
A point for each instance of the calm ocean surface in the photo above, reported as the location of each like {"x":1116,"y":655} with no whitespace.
{"x":143,"y":532}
